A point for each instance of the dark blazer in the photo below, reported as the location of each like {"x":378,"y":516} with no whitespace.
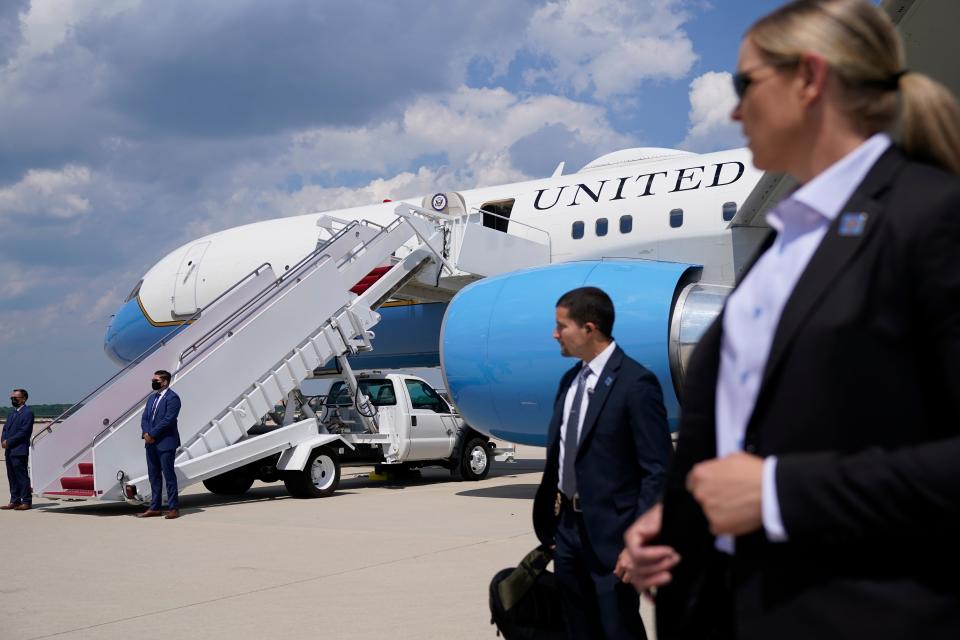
{"x":162,"y":424}
{"x":621,"y":460}
{"x":860,"y":401}
{"x":17,"y":431}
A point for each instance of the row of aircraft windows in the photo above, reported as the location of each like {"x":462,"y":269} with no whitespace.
{"x":601,"y":226}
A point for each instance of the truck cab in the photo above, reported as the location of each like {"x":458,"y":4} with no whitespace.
{"x":425,"y":425}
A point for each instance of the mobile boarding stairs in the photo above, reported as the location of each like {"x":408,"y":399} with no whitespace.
{"x":253,"y":346}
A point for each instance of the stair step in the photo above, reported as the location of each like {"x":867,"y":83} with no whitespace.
{"x":86,"y":468}
{"x":77,"y":482}
{"x":71,"y":493}
{"x":367,"y":280}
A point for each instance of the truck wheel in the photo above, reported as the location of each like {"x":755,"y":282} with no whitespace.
{"x":231,"y":483}
{"x":474,"y":461}
{"x":319,"y":478}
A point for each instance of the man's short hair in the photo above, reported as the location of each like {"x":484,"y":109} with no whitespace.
{"x":163,"y":375}
{"x":589,"y":304}
{"x":23,"y":391}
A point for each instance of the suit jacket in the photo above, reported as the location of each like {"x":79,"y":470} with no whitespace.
{"x":860,"y":401}
{"x":17,"y":431}
{"x":621,"y":461}
{"x":161,"y":424}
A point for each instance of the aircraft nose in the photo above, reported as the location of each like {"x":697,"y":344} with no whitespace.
{"x":130,"y":334}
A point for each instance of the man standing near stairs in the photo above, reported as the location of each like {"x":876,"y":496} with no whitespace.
{"x":16,"y":450}
{"x":159,"y":427}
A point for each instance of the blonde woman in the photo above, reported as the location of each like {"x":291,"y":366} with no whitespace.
{"x":816,"y":487}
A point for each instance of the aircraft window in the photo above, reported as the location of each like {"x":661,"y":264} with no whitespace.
{"x":577,"y":231}
{"x":626,"y":224}
{"x":676,"y":218}
{"x":422,"y":396}
{"x":601,"y":226}
{"x":729,"y":210}
{"x":133,"y":294}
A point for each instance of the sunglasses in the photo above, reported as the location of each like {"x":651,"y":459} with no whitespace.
{"x":742,"y":79}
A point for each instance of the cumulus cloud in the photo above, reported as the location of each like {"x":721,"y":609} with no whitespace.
{"x":608,"y":47}
{"x":463,"y":125}
{"x":56,"y":194}
{"x":129,"y":127}
{"x":711,"y":101}
{"x":485,"y":137}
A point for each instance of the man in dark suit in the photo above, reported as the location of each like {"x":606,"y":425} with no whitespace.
{"x":16,"y":444}
{"x":161,"y":438}
{"x":607,"y":452}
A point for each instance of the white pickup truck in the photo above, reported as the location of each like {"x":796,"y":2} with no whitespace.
{"x":394,"y":421}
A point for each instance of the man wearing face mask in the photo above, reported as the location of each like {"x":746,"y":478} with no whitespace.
{"x":159,"y":427}
{"x":16,"y":445}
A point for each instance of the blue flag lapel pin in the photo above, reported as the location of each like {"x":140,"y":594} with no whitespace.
{"x":852,"y":224}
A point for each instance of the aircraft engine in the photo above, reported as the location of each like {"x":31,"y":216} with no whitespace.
{"x":502,"y":365}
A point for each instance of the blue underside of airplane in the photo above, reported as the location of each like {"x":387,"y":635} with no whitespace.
{"x":494,"y":340}
{"x":406,"y":337}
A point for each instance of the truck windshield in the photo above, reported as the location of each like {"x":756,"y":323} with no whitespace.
{"x":380,"y":392}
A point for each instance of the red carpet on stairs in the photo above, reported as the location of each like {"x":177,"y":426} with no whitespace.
{"x":369,"y":279}
{"x":78,"y":486}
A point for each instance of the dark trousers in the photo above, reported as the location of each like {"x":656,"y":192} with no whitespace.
{"x":595,"y":605}
{"x":160,"y":469}
{"x":19,"y":478}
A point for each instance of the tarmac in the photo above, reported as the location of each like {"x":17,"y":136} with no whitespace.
{"x":375,"y":560}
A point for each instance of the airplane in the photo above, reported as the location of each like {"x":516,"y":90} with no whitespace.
{"x":665,"y":232}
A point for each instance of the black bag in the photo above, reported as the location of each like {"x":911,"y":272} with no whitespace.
{"x":525,"y":600}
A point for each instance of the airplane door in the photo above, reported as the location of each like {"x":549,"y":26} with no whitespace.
{"x":185,"y":288}
{"x":431,"y":437}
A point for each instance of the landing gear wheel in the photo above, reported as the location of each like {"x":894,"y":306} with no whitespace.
{"x":319,"y":478}
{"x":231,"y":483}
{"x":475,"y":460}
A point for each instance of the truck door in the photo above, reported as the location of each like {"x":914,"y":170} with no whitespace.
{"x":433,"y":427}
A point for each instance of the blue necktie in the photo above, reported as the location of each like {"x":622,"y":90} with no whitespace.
{"x":570,"y":440}
{"x":153,"y":406}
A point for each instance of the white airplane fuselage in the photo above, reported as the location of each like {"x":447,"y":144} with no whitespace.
{"x":637,"y":204}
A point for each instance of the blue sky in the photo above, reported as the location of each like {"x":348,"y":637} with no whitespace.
{"x":129,"y":127}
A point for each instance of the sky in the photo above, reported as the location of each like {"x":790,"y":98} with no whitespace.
{"x":130,"y":127}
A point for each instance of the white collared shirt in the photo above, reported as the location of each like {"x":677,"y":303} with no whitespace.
{"x":156,"y":404}
{"x":596,"y":368}
{"x":753,"y":311}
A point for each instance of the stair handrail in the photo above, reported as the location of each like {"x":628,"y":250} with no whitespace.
{"x":511,"y":221}
{"x":254,"y":303}
{"x":274,"y":287}
{"x":286,"y":276}
{"x":140,"y":358}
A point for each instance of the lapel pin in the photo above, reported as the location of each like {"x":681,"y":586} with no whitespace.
{"x":852,"y":224}
{"x":608,"y":381}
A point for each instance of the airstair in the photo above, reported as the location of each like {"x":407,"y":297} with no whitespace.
{"x":248,"y":350}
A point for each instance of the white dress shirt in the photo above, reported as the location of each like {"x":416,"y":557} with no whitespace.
{"x":156,"y":405}
{"x":596,"y":368}
{"x":753,"y":310}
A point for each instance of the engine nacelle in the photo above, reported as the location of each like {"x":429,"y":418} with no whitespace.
{"x":502,"y":365}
